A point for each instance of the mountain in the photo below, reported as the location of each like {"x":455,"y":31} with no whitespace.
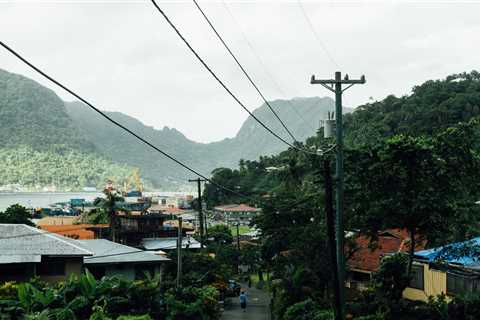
{"x":34,"y":119}
{"x":251,"y":141}
{"x":432,"y":107}
{"x":40,"y":145}
{"x":32,"y":115}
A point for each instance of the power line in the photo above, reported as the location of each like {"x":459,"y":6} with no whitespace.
{"x":117,"y":123}
{"x":205,"y":65}
{"x":264,"y":67}
{"x":243,"y":70}
{"x":315,"y":34}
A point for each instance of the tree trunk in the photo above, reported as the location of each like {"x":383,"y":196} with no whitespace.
{"x":113,"y":224}
{"x":411,"y":251}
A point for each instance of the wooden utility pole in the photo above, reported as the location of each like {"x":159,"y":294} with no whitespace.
{"x":179,"y":253}
{"x":200,"y":210}
{"x":238,"y":246}
{"x":327,"y":175}
{"x":335,"y":85}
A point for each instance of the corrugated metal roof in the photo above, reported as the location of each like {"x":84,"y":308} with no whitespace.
{"x":108,"y":252}
{"x":22,"y":243}
{"x":452,"y":253}
{"x":169,"y":243}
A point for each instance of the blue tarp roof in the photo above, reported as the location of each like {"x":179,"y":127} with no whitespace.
{"x":450,"y":253}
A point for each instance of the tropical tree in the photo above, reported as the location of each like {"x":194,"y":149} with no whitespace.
{"x":109,"y":205}
{"x":414,"y":183}
{"x":16,"y":214}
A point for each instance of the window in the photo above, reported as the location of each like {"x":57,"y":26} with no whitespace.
{"x":51,"y":267}
{"x":417,"y":277}
{"x":459,"y":284}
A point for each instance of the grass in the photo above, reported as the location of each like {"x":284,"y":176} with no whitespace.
{"x":241,"y":230}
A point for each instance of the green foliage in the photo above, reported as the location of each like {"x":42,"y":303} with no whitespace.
{"x":109,"y":298}
{"x":33,"y":116}
{"x":67,"y":170}
{"x":16,"y":214}
{"x":193,"y":303}
{"x":392,"y":278}
{"x":220,"y":234}
{"x":307,"y":310}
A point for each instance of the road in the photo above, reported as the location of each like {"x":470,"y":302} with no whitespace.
{"x":257,"y":306}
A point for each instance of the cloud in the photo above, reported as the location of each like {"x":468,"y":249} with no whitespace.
{"x":124,"y":57}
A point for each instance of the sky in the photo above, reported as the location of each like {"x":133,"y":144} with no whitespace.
{"x":123,"y":56}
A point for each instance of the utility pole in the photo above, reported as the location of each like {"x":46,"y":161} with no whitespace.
{"x":206,"y":226}
{"x":200,"y":210}
{"x":335,"y":85}
{"x":327,"y":175}
{"x":238,"y":246}
{"x":179,"y":253}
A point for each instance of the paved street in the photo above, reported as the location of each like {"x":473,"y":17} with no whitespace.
{"x":257,"y":306}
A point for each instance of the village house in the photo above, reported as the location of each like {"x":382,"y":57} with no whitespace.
{"x":443,"y":271}
{"x":366,"y":257}
{"x":27,"y":252}
{"x":114,"y":259}
{"x":237,"y":213}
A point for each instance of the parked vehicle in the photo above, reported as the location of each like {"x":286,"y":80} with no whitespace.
{"x":233,"y":288}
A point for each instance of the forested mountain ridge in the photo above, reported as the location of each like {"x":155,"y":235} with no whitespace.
{"x":34,"y":119}
{"x":251,"y":141}
{"x":34,"y":116}
{"x":432,"y":107}
{"x":41,"y":148}
{"x":429,"y":110}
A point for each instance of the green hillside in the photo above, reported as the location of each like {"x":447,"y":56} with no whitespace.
{"x":35,"y":119}
{"x":41,"y":146}
{"x":34,"y":116}
{"x":432,"y":107}
{"x":429,"y":110}
{"x":121,"y":147}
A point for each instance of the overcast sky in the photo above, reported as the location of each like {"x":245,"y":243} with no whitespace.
{"x":122,"y":55}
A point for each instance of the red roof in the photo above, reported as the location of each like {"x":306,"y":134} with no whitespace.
{"x":236,"y":208}
{"x":389,"y":241}
{"x":75,"y":231}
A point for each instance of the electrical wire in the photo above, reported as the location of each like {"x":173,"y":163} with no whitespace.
{"x":243,"y":70}
{"x":315,"y":34}
{"x":264,"y":67}
{"x":212,"y":73}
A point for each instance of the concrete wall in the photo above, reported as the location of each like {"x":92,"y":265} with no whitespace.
{"x":434,"y":282}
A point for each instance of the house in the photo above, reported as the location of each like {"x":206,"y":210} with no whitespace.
{"x":114,"y":259}
{"x":132,"y":228}
{"x":237,"y":213}
{"x":166,"y":244}
{"x":365,"y":259}
{"x":445,"y":270}
{"x":27,"y":252}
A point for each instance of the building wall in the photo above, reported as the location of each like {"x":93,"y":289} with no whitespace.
{"x":72,"y":266}
{"x":125,"y":272}
{"x":434,"y":282}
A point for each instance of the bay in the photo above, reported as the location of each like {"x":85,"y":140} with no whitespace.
{"x":42,"y":199}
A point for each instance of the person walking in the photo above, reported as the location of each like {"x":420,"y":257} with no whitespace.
{"x":243,"y":301}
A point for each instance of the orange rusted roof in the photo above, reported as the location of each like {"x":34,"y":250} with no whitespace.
{"x":74,"y":231}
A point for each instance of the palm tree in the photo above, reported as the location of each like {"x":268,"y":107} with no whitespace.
{"x":109,"y":205}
